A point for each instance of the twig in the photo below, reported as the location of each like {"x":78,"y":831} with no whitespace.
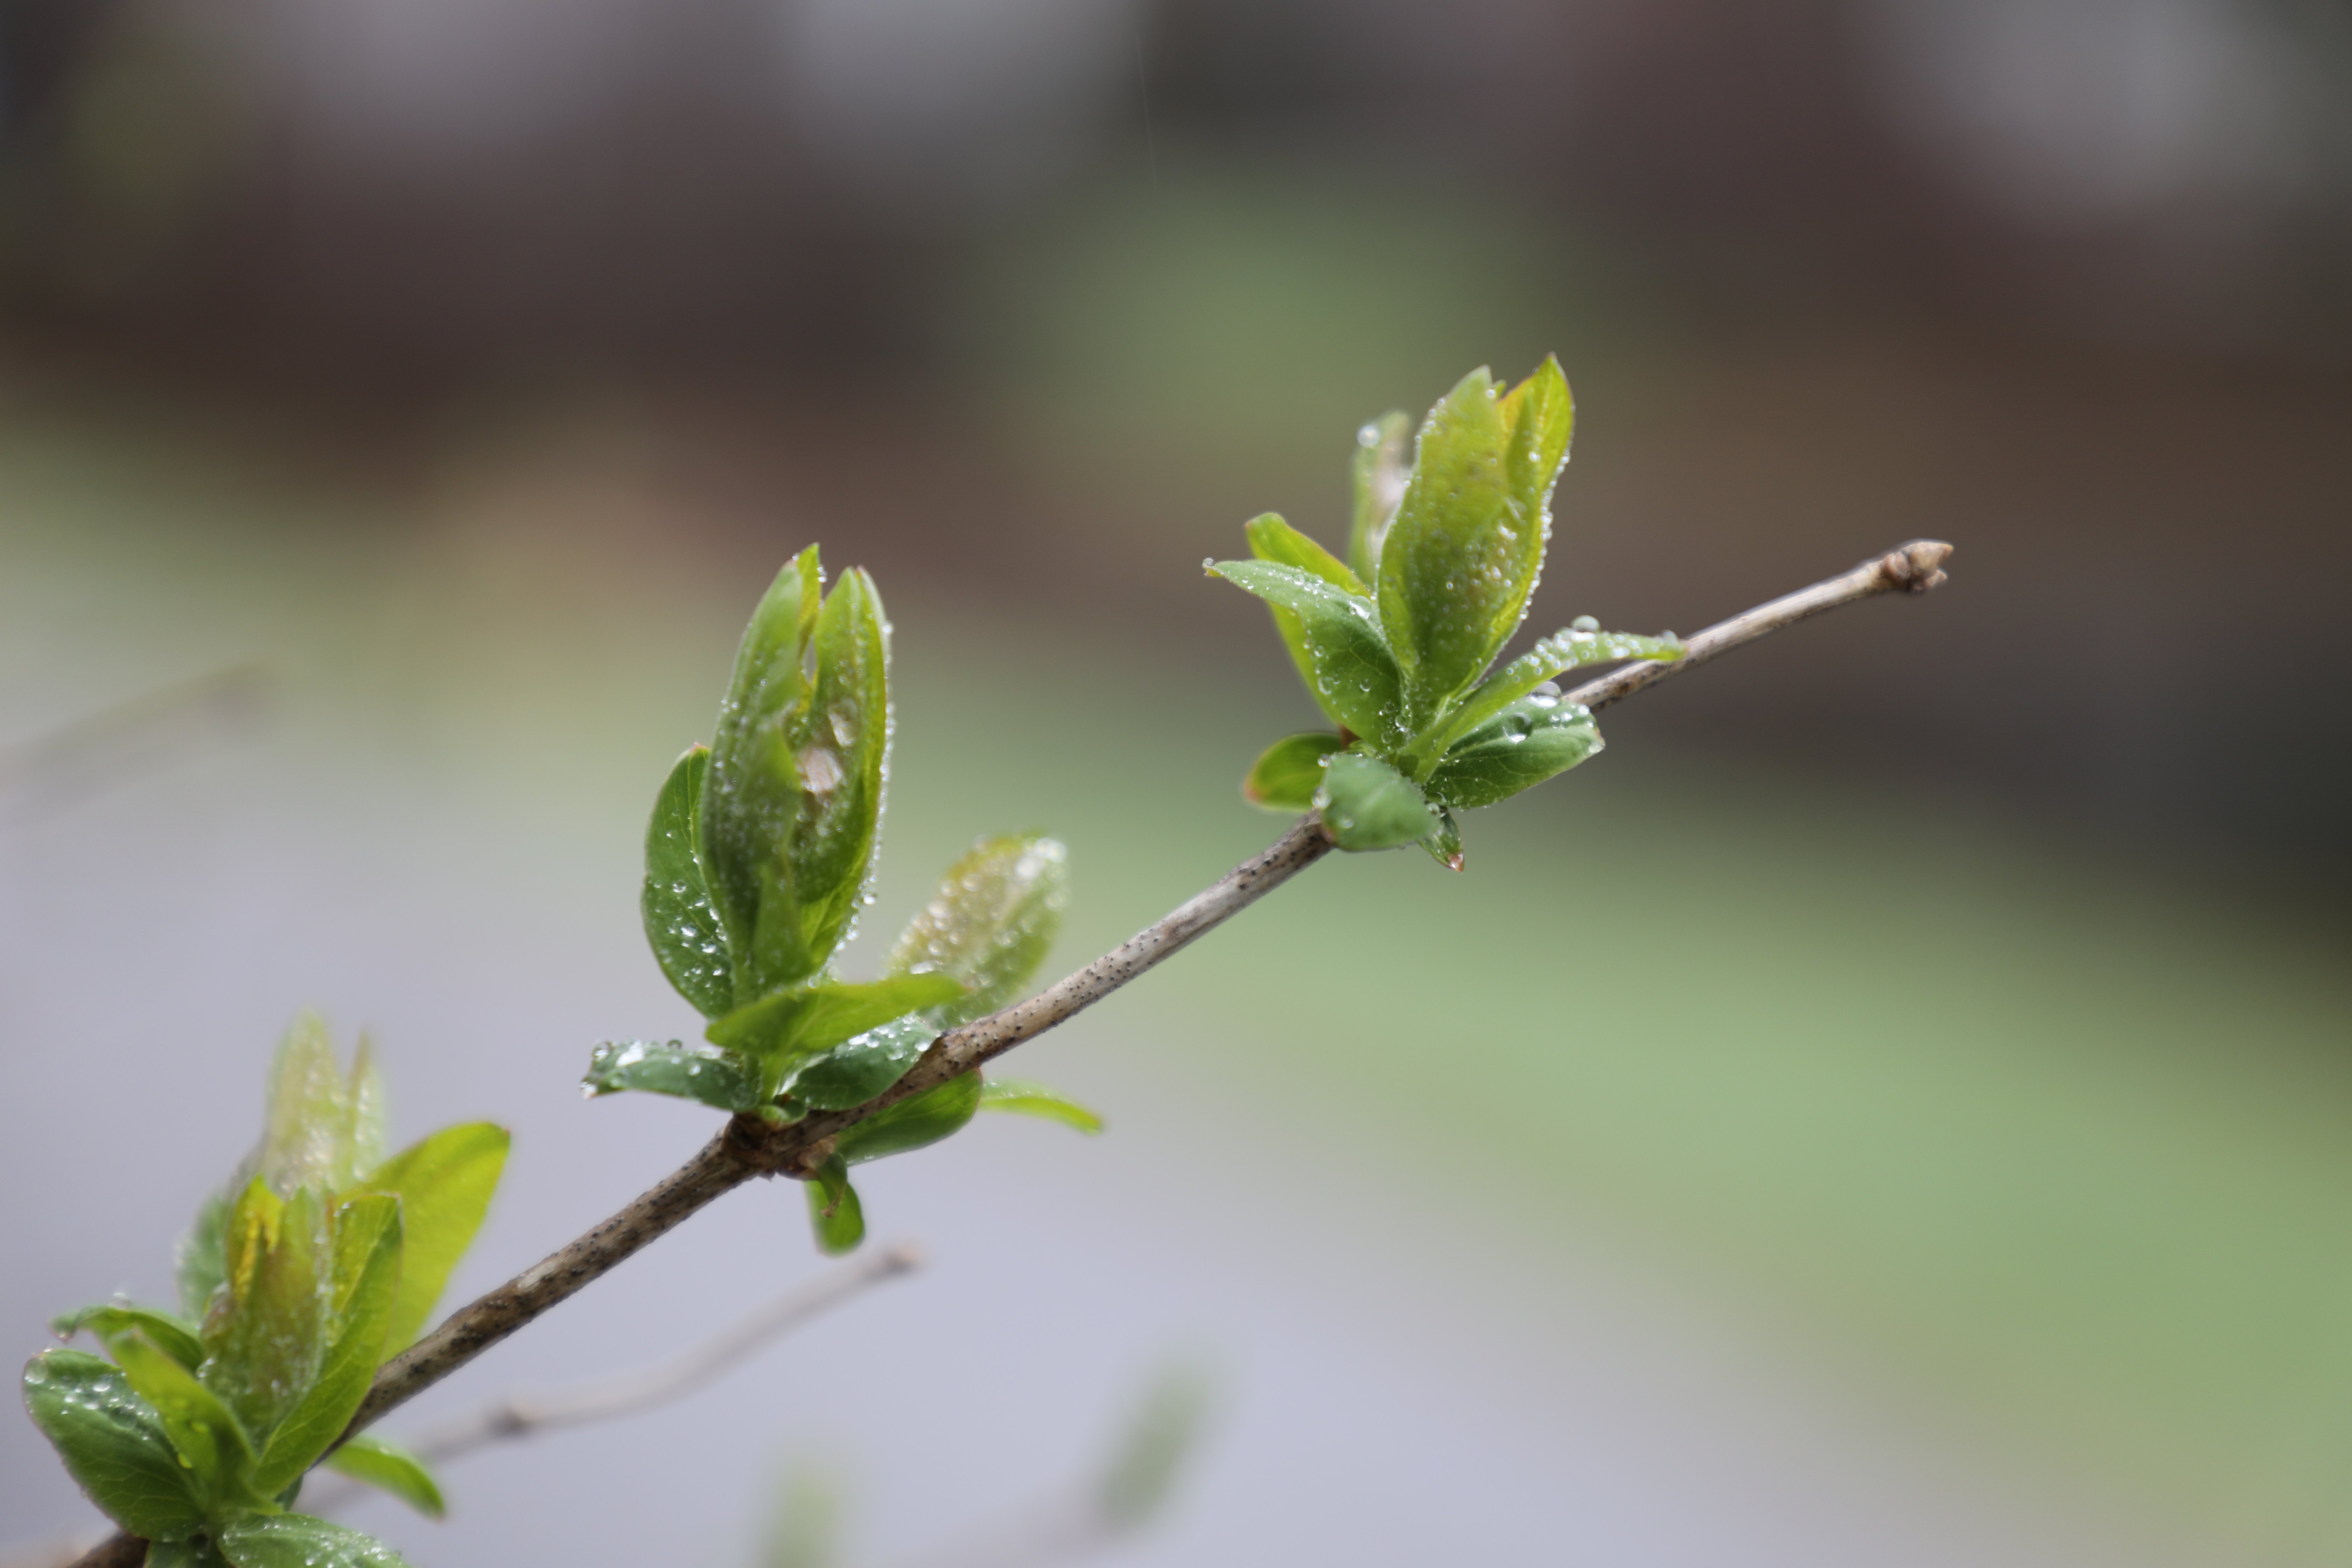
{"x":523,"y":1415}
{"x":748,"y":1147}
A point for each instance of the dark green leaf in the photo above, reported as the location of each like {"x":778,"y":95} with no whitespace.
{"x":717,"y":1077}
{"x":1288,"y":774}
{"x":1023,"y":1099}
{"x":207,"y":1435}
{"x":364,"y":1282}
{"x":1335,"y":636}
{"x":299,"y":1541}
{"x":682,"y":924}
{"x":913,"y":1123}
{"x":751,"y":795}
{"x":1529,"y":741}
{"x":113,"y":1444}
{"x":1552,"y":656}
{"x":264,"y":1335}
{"x":1271,"y":539}
{"x":834,"y":1212}
{"x":384,"y":1464}
{"x":783,"y":1030}
{"x":1380,"y":472}
{"x":990,"y":923}
{"x":1368,"y":804}
{"x":444,"y":1182}
{"x":1444,"y":845}
{"x":174,"y":1336}
{"x":1468,"y":539}
{"x":856,"y":1070}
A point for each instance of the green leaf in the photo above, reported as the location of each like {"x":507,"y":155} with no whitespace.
{"x":1527,"y":742}
{"x":1368,"y":804}
{"x":198,"y":1551}
{"x":1271,"y":539}
{"x":299,"y":1541}
{"x":265,"y":1333}
{"x":752,"y":794}
{"x":914,"y":1123}
{"x":841,"y":747}
{"x":1461,"y":556}
{"x":1024,"y":1099}
{"x":444,"y":1182}
{"x":1336,"y":638}
{"x":990,"y":923}
{"x":207,"y":1435}
{"x":779,"y":1032}
{"x":1154,"y":1451}
{"x":323,"y":1128}
{"x":112,"y":1443}
{"x":1444,"y":845}
{"x":364,"y":1282}
{"x":174,"y":1336}
{"x":1380,"y":472}
{"x":1288,"y":774}
{"x":385,"y":1465}
{"x":1556,"y":655}
{"x":681,"y":923}
{"x":857,"y":1069}
{"x":834,"y":1212}
{"x":200,"y":1262}
{"x":718,"y":1079}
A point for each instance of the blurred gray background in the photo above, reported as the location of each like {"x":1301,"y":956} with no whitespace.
{"x":1897,"y":1105}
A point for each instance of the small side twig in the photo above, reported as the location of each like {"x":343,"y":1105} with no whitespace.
{"x":749,"y":1148}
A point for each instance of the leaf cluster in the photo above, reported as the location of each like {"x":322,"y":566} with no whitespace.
{"x":318,"y":1261}
{"x":1396,"y":643}
{"x":758,"y":859}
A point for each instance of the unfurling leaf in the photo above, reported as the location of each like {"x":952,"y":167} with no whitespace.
{"x":682,"y":923}
{"x":323,"y":1128}
{"x":200,"y":1263}
{"x":1368,"y":804}
{"x":1462,"y":555}
{"x":299,"y":1541}
{"x":1288,"y":774}
{"x":990,"y":923}
{"x":914,"y":1123}
{"x":718,"y":1079}
{"x":387,"y":1466}
{"x":362,"y":1283}
{"x":444,"y":1182}
{"x":1556,"y":655}
{"x":1530,"y":741}
{"x":834,"y":1212}
{"x":264,"y":1334}
{"x":1380,"y":472}
{"x":779,"y":1032}
{"x":1335,"y":636}
{"x":174,"y":1336}
{"x":857,"y":1069}
{"x":1023,"y":1099}
{"x":113,"y":1444}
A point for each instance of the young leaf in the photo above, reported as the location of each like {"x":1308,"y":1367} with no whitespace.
{"x":364,"y":1281}
{"x":1336,"y":638}
{"x":856,"y":1070}
{"x":990,"y":923}
{"x":781,"y":1031}
{"x":1527,"y":742}
{"x":1380,"y":472}
{"x":322,"y":1129}
{"x":751,"y":793}
{"x":718,"y":1079}
{"x":264,"y":1334}
{"x":385,"y":1465}
{"x":113,"y":1444}
{"x":444,"y":1182}
{"x":174,"y":1336}
{"x":913,"y":1123}
{"x":1023,"y":1099}
{"x":299,"y":1541}
{"x":1552,"y":656}
{"x":1368,"y":804}
{"x":1461,"y":556}
{"x":200,"y":1262}
{"x":1288,"y":774}
{"x":681,"y":923}
{"x":1271,"y":539}
{"x":834,"y":1212}
{"x":208,"y":1436}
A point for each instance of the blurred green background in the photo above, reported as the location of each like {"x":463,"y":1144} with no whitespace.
{"x":1895,"y":1105}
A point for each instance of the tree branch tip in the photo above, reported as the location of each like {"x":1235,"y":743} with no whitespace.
{"x":899,"y":1257}
{"x":1917,"y":566}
